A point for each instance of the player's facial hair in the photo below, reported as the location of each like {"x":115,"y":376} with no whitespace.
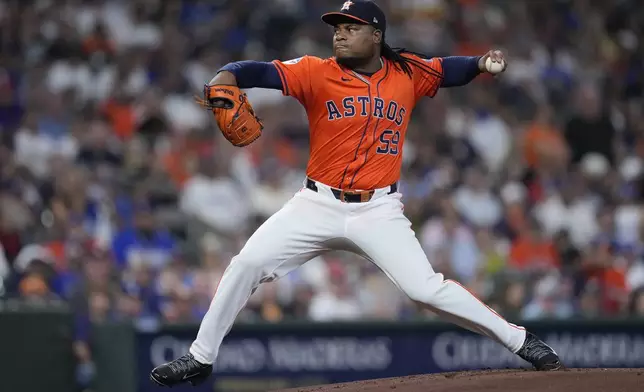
{"x":353,"y":62}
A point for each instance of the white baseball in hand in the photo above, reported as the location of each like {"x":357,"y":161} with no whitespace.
{"x":494,"y":67}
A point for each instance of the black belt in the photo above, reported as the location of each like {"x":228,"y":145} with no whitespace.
{"x":351,"y":196}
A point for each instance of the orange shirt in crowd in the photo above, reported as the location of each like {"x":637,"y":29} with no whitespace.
{"x":526,"y":253}
{"x":182,"y":160}
{"x":121,"y":117}
{"x":612,"y":278}
{"x":539,"y":138}
{"x":177,"y":165}
{"x":613,"y":285}
{"x":57,"y":251}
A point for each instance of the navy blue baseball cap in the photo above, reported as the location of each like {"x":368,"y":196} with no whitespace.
{"x":358,"y":11}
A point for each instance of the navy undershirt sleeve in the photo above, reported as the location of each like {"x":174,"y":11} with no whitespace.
{"x":251,"y":74}
{"x":459,"y":70}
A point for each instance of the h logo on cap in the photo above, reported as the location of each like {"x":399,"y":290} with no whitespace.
{"x":346,"y":5}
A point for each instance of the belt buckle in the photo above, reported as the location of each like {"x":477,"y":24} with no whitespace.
{"x":365,"y":196}
{"x":342,"y":196}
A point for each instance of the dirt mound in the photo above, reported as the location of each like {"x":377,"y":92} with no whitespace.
{"x":586,"y":380}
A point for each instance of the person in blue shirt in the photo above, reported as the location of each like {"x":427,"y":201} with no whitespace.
{"x":143,"y":241}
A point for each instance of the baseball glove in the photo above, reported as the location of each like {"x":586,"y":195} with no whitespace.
{"x":233,"y":113}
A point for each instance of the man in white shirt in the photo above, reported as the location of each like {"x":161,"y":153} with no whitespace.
{"x":215,"y":199}
{"x":475,"y":202}
{"x":337,"y":302}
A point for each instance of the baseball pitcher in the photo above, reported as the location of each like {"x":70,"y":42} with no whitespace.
{"x":359,"y":103}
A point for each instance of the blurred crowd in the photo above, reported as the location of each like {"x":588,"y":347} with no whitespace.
{"x":119,"y":195}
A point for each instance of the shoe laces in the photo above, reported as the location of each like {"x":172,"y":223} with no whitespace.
{"x":183,"y":364}
{"x":535,"y":348}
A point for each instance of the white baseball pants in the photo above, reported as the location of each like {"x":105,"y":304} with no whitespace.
{"x":313,"y":223}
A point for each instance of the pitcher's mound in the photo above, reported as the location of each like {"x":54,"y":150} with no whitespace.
{"x":571,"y":380}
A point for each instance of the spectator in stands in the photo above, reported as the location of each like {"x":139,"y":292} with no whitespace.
{"x":338,"y":302}
{"x":590,"y":130}
{"x":143,"y":242}
{"x":551,"y":299}
{"x":533,"y":252}
{"x":298,"y":309}
{"x":544,"y":146}
{"x":634,"y":266}
{"x":573,"y":209}
{"x":493,"y":253}
{"x":476,"y":202}
{"x":600,"y":266}
{"x":451,"y":246}
{"x":488,"y":132}
{"x":215,"y":200}
{"x":139,"y":285}
{"x":589,"y":303}
{"x":636,"y":305}
{"x":177,"y":309}
{"x":35,"y":282}
{"x":515,"y":299}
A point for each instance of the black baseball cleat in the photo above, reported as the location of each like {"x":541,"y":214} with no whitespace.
{"x":539,"y":354}
{"x":181,"y":370}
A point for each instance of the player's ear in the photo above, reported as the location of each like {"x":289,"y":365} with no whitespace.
{"x":377,"y":36}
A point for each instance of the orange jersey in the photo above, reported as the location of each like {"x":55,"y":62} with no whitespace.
{"x":357,"y":123}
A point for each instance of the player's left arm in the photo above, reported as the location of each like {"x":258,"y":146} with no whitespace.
{"x":460,"y":70}
{"x":452,"y":71}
